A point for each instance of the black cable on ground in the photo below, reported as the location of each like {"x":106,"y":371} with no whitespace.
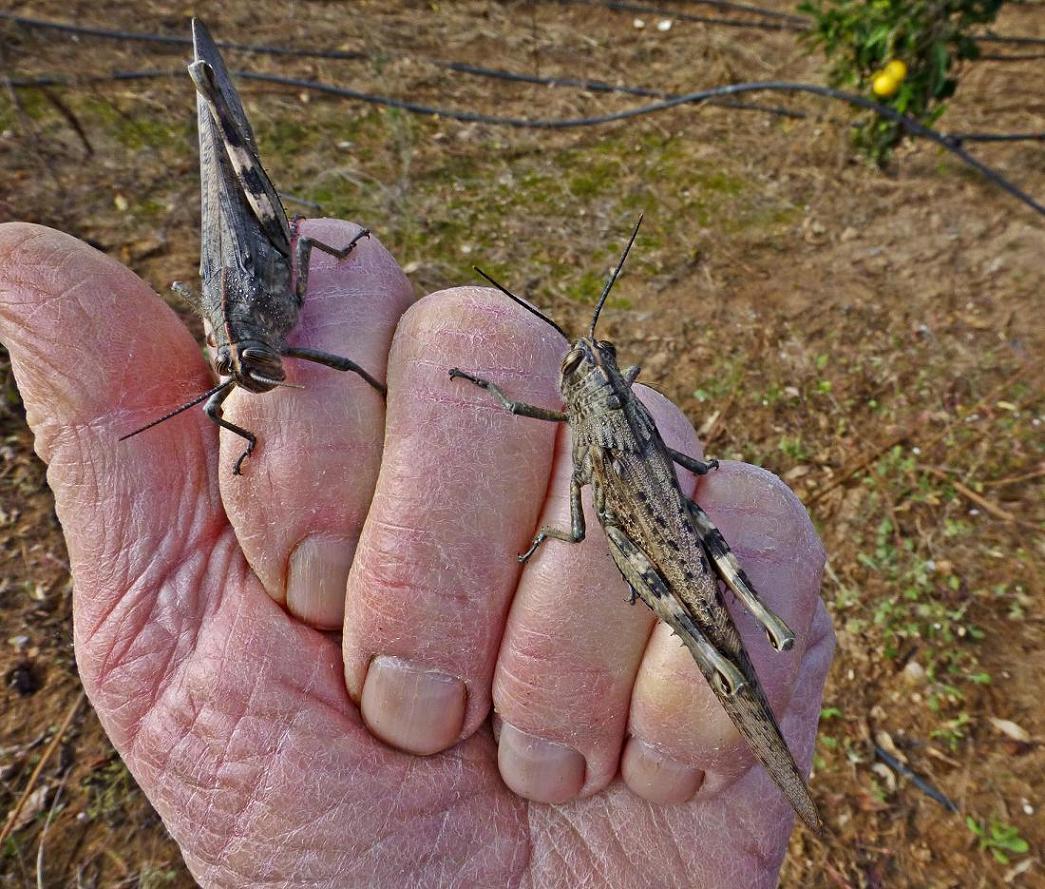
{"x":748,"y":7}
{"x":788,"y":23}
{"x":1022,"y":57}
{"x":1012,"y":41}
{"x":459,"y":67}
{"x":356,"y":55}
{"x":168,"y":40}
{"x":678,"y":15}
{"x":997,"y":137}
{"x":600,"y":86}
{"x":912,"y":127}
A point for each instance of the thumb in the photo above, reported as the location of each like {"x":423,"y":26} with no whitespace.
{"x":95,"y":354}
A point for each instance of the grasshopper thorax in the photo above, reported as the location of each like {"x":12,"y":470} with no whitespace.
{"x":255,"y":366}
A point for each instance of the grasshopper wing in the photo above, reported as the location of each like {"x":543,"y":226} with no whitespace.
{"x":227,"y":145}
{"x":725,"y":664}
{"x":646,"y":582}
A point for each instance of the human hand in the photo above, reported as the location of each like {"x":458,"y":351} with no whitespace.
{"x":201,"y":599}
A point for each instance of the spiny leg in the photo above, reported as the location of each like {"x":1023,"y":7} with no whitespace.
{"x":644,"y":578}
{"x":336,"y":362}
{"x":728,"y":568}
{"x":577,"y":528}
{"x":303,"y":255}
{"x":214,"y":411}
{"x":697,"y":467}
{"x":519,"y":408}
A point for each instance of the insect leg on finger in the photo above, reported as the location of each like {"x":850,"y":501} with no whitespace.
{"x":519,"y":408}
{"x":303,"y":247}
{"x":213,"y":410}
{"x":577,"y":525}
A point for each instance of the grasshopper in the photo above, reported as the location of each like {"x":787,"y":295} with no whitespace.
{"x":253,"y":263}
{"x":664,"y":544}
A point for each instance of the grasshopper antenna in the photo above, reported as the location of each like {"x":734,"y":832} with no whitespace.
{"x":178,"y":410}
{"x":613,"y":278}
{"x":521,"y":302}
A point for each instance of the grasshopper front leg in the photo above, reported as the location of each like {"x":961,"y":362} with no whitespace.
{"x":519,"y":408}
{"x":726,"y":566}
{"x":213,"y":410}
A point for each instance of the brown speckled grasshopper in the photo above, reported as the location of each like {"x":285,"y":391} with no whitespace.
{"x":251,"y":296}
{"x":664,"y":544}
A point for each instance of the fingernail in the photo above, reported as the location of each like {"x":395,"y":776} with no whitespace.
{"x":412,"y":708}
{"x":537,"y":769}
{"x":656,"y":777}
{"x":316,"y":580}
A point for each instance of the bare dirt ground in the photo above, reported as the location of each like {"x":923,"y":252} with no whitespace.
{"x":875,"y":338}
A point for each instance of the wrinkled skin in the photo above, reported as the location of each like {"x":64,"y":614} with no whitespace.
{"x":203,"y":638}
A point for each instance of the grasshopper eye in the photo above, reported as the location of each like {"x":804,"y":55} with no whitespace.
{"x":572,"y":361}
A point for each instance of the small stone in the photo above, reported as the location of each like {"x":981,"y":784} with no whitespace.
{"x":914,"y":673}
{"x":1010,"y":729}
{"x":886,"y":774}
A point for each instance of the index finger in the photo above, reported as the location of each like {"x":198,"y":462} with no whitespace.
{"x":299,"y":506}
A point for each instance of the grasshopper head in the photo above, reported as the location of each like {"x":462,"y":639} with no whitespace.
{"x":256,"y":366}
{"x":589,"y":371}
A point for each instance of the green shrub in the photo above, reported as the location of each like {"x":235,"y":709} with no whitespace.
{"x":930,"y":37}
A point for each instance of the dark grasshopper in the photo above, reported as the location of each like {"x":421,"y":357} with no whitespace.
{"x":253,"y":264}
{"x":664,"y":544}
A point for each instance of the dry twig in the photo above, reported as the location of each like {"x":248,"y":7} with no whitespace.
{"x":12,"y":818}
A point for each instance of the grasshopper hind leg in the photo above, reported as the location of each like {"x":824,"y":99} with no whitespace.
{"x":726,"y":566}
{"x":646,"y":581}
